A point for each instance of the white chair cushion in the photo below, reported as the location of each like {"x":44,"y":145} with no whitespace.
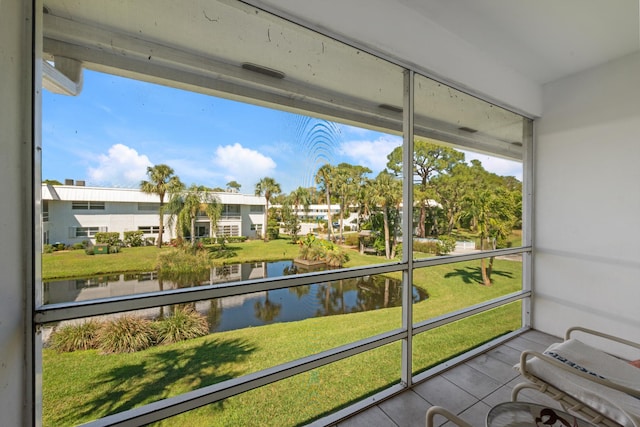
{"x":612,"y":403}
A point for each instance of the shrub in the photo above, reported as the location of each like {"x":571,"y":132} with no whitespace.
{"x":183,"y":261}
{"x":222,"y":240}
{"x":133,"y":238}
{"x":445,"y":245}
{"x":273,"y":229}
{"x":183,"y":324}
{"x":313,"y":249}
{"x":114,"y":249}
{"x":427,"y":247}
{"x":126,"y":335}
{"x":106,"y":238}
{"x":75,"y":337}
{"x":89,"y":251}
{"x":352,"y":239}
{"x":47,"y":249}
{"x":76,"y":246}
{"x":335,"y":257}
{"x":346,"y":228}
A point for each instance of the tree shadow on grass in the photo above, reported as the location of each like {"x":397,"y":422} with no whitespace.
{"x":470,"y":275}
{"x":163,"y":373}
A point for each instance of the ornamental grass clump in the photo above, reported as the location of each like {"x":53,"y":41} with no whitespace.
{"x":126,"y":334}
{"x":80,"y":336}
{"x":182,"y":324}
{"x":183,"y":261}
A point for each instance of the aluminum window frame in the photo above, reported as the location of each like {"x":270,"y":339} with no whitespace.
{"x":42,"y":314}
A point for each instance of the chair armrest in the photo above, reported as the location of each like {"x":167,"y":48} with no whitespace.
{"x":438,"y":410}
{"x":601,"y":335}
{"x":571,"y":370}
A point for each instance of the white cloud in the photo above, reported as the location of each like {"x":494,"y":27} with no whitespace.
{"x":372,"y":154}
{"x":243,"y":164}
{"x":122,"y":166}
{"x":496,"y":165}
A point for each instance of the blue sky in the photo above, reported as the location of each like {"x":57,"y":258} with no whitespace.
{"x":116,"y":127}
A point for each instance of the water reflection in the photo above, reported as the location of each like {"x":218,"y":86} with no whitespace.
{"x":253,"y":309}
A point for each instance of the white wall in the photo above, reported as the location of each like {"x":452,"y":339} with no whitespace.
{"x":15,"y":228}
{"x":587,"y":212}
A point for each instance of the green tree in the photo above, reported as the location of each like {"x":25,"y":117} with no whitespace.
{"x":346,"y":183}
{"x":233,"y":185}
{"x":387,"y":195}
{"x":301,"y":196}
{"x":187,"y":205}
{"x":291,"y":220}
{"x":51,"y":182}
{"x":161,"y":181}
{"x":429,"y":160}
{"x":324,"y":178}
{"x":493,"y":208}
{"x":267,"y":187}
{"x":451,"y":191}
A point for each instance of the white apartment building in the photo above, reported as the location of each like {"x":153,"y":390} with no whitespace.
{"x":73,"y":213}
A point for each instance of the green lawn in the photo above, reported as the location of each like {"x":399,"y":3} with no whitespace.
{"x":84,"y":385}
{"x":76,"y":263}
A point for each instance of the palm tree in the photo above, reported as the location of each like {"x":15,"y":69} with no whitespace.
{"x":493,"y":211}
{"x":188,"y":205}
{"x":301,"y":196}
{"x":324,"y":177}
{"x":387,"y":194}
{"x":347,"y":181}
{"x":161,"y":181}
{"x":267,"y":187}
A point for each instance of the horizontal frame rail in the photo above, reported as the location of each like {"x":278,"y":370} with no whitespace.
{"x":436,"y":322}
{"x":450,"y":259}
{"x":172,"y":406}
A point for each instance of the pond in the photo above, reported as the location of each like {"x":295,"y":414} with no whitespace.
{"x":254,"y":309}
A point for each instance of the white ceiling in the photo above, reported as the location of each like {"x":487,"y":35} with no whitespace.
{"x":542,"y":39}
{"x":501,"y":50}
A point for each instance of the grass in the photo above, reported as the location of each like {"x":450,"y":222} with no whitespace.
{"x":76,"y":263}
{"x":67,"y":264}
{"x":84,"y":385}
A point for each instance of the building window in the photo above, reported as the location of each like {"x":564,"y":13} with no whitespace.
{"x":230,"y":211}
{"x":257,"y":228}
{"x":85,"y":205}
{"x":256,"y":209}
{"x":45,"y":210}
{"x":75,"y":232}
{"x":148,"y":207}
{"x":149,"y":229}
{"x":228,"y":230}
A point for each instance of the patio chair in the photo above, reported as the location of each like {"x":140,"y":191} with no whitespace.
{"x":438,"y":410}
{"x":585,"y":380}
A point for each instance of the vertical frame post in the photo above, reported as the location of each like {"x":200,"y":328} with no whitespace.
{"x":407,"y":226}
{"x":527,"y":213}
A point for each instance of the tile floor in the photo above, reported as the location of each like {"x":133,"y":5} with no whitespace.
{"x":468,"y":390}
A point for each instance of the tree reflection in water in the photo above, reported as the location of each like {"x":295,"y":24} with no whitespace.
{"x":254,"y":309}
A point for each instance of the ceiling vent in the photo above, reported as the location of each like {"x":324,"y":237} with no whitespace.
{"x":263,"y":70}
